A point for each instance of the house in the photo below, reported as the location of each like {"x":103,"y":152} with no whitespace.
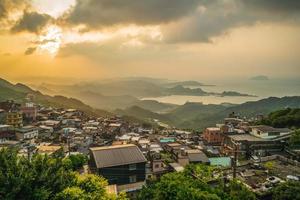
{"x":251,"y":145}
{"x":14,"y":118}
{"x":123,"y":165}
{"x":48,"y":149}
{"x":7,"y":133}
{"x":268,"y":132}
{"x":27,"y":132}
{"x":197,"y":156}
{"x":213,"y":135}
{"x":29,"y":111}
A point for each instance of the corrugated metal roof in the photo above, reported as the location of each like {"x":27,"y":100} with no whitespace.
{"x":117,"y":155}
{"x":198,"y":157}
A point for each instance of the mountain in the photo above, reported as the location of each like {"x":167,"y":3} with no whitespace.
{"x":259,"y":78}
{"x":235,"y":94}
{"x":289,"y":117}
{"x":19,"y":92}
{"x":142,"y":114}
{"x":155,"y":106}
{"x":186,"y":84}
{"x":199,"y":116}
{"x":180,"y":90}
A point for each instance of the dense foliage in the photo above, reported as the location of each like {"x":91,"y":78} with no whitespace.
{"x":287,"y":191}
{"x":190,"y":185}
{"x":77,"y":161}
{"x":289,"y":117}
{"x":295,"y":139}
{"x":44,"y":178}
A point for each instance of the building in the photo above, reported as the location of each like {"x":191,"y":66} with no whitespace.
{"x":250,"y":144}
{"x":213,"y":135}
{"x":197,"y":156}
{"x":29,"y":111}
{"x":48,"y":149}
{"x":27,"y":132}
{"x":7,"y":133}
{"x":268,"y":132}
{"x":14,"y":118}
{"x":123,"y":165}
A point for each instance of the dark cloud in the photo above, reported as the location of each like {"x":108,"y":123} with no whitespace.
{"x":30,"y":51}
{"x":99,"y":13}
{"x":31,"y":22}
{"x":275,"y":6}
{"x":220,"y":17}
{"x":183,"y":20}
{"x":10,"y":6}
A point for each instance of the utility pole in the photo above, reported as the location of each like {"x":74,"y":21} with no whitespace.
{"x":235,"y":154}
{"x":235,"y":158}
{"x":69,"y":145}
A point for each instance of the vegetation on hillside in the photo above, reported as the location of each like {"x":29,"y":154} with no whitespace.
{"x":186,"y":185}
{"x":46,"y":178}
{"x":294,"y":141}
{"x":287,"y":191}
{"x":289,"y":117}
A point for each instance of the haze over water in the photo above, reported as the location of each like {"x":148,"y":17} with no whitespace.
{"x":262,"y":89}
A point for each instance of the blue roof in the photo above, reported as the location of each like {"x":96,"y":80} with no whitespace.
{"x":166,"y":140}
{"x":220,"y":161}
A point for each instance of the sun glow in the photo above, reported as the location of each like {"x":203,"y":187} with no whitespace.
{"x":50,"y":42}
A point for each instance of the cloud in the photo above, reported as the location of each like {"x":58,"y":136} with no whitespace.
{"x":32,"y":22}
{"x":100,"y":13}
{"x":182,"y":21}
{"x":219,"y":17}
{"x":275,"y":6}
{"x":30,"y":51}
{"x":9,"y":6}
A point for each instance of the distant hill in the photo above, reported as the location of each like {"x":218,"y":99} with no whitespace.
{"x":289,"y":117}
{"x":142,"y":114}
{"x":186,"y":83}
{"x":180,"y":90}
{"x":155,"y":106}
{"x":198,"y":116}
{"x":18,"y":92}
{"x":259,"y":78}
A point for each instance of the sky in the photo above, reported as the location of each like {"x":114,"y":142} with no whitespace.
{"x":43,"y":40}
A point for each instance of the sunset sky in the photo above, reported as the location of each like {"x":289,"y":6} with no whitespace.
{"x":176,"y":39}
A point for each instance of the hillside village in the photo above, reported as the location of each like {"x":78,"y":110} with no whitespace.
{"x":129,"y":154}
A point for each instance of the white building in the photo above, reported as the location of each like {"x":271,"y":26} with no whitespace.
{"x":268,"y":132}
{"x":27,"y":132}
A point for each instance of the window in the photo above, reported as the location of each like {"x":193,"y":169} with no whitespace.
{"x":156,"y":166}
{"x":132,"y":167}
{"x":132,"y":179}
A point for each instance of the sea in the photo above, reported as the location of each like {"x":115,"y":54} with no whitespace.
{"x":260,"y":88}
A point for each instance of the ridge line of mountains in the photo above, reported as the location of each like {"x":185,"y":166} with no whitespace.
{"x":191,"y":115}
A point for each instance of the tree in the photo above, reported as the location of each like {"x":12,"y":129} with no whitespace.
{"x":295,"y":139}
{"x":45,"y":178}
{"x":179,"y":186}
{"x":287,"y":191}
{"x":77,"y":161}
{"x":191,"y":185}
{"x":238,"y":191}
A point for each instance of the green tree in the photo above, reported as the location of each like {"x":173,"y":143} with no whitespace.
{"x":295,"y":139}
{"x":191,"y":185}
{"x":45,"y":178}
{"x":238,"y":191}
{"x":77,"y":161}
{"x":287,"y":191}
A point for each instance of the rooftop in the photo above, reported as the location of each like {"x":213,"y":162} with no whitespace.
{"x":264,"y":128}
{"x":245,"y":137}
{"x":117,"y":155}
